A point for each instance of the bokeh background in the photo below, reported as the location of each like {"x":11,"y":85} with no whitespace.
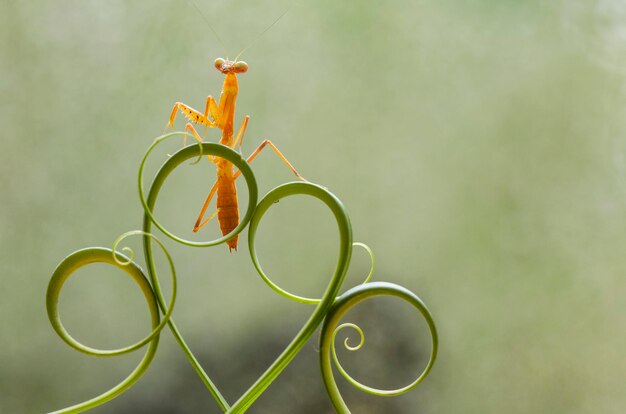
{"x":479,"y":146}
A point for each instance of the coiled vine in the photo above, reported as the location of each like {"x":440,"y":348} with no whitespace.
{"x":328,"y":312}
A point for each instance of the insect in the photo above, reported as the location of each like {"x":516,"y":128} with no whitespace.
{"x":222,"y":115}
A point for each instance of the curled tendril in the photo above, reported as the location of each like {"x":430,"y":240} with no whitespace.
{"x":346,"y":341}
{"x":119,"y":258}
{"x":371,"y":254}
{"x":157,"y":140}
{"x":91,"y":255}
{"x":153,"y":275}
{"x":207,"y":148}
{"x":330,"y":330}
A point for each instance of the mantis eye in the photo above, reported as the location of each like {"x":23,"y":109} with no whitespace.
{"x":240,"y":67}
{"x":219,"y":62}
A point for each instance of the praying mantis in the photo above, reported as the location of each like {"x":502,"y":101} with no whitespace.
{"x":222,"y":115}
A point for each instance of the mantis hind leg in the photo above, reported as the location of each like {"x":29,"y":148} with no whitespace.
{"x":200,"y":222}
{"x":260,"y":148}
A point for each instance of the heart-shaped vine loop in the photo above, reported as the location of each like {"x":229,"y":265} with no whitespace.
{"x":345,"y":252}
{"x":329,"y":309}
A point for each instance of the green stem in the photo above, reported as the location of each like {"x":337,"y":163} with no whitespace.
{"x":343,"y":261}
{"x":149,"y":203}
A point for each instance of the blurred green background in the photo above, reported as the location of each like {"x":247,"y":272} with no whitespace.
{"x":479,"y":147}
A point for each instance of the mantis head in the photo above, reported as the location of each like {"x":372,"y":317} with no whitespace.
{"x":228,"y":66}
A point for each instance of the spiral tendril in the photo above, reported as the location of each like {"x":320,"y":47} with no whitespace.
{"x":156,"y":285}
{"x":345,"y":342}
{"x":91,"y":255}
{"x":119,"y":257}
{"x":330,"y":330}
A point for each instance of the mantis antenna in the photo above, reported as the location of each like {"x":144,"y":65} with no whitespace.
{"x":251,"y":43}
{"x":208,"y":23}
{"x":266,"y":29}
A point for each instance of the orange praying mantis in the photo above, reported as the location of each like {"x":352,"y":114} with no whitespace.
{"x":222,"y":115}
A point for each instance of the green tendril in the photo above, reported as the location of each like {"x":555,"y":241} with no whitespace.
{"x":346,"y":341}
{"x":156,"y":285}
{"x":91,"y":255}
{"x":174,"y":161}
{"x":119,"y":258}
{"x":371,"y":254}
{"x":330,"y":330}
{"x":200,"y":150}
{"x":158,"y":140}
